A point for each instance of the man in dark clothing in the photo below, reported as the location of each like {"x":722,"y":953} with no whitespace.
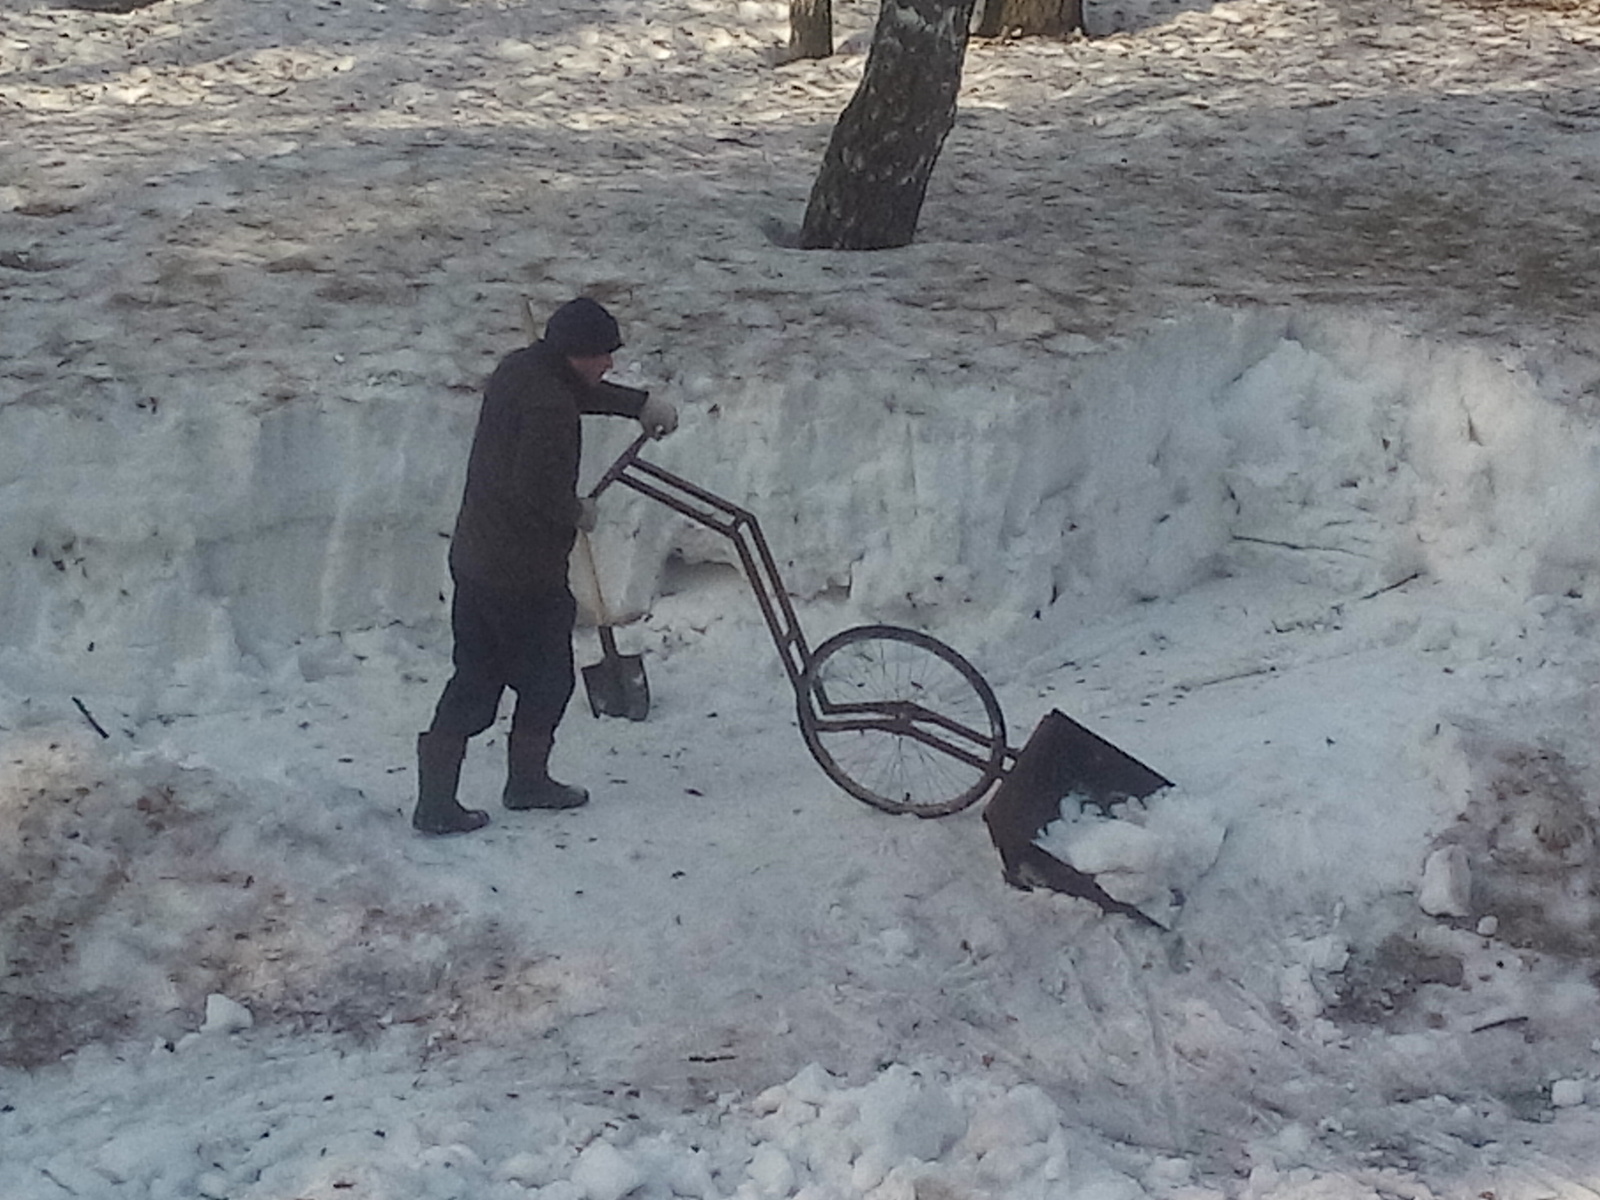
{"x":513,"y":613}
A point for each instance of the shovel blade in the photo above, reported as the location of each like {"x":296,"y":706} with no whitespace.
{"x":1062,"y":759}
{"x":616,"y":685}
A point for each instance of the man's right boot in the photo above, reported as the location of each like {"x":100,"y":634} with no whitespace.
{"x":439,"y":758}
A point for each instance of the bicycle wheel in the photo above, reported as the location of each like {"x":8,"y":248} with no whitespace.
{"x":900,"y":720}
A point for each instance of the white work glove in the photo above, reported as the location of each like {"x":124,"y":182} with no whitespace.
{"x":588,"y":513}
{"x":659,"y":417}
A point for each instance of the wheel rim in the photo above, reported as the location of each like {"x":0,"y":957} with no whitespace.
{"x":901,"y":721}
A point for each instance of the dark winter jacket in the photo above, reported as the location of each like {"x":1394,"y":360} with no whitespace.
{"x":519,"y":509}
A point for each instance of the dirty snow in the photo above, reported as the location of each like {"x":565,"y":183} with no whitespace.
{"x":1238,"y":398}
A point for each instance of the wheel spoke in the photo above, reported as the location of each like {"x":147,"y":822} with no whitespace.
{"x":901,"y":720}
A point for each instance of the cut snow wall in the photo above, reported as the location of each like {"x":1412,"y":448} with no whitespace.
{"x":1347,"y":455}
{"x":143,"y":542}
{"x":1231,"y":442}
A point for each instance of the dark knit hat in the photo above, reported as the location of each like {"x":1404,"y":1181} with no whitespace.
{"x":582,"y":328}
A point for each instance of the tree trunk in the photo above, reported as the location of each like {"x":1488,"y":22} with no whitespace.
{"x":868,"y":194}
{"x":810,"y":29}
{"x":1030,"y":18}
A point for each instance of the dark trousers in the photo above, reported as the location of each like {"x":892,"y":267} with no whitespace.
{"x":508,"y":640}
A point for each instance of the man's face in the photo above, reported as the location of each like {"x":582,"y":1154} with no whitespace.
{"x":591,"y":368}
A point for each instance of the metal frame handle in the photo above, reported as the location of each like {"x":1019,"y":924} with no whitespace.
{"x":739,"y":526}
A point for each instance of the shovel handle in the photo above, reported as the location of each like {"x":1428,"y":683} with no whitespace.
{"x":602,"y":613}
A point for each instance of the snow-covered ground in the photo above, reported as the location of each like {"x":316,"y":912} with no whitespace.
{"x":1240,"y":398}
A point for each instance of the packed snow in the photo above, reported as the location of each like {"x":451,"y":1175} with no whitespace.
{"x":1238,"y":398}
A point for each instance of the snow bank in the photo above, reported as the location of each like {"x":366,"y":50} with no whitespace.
{"x":910,"y":1131}
{"x":158,"y":539}
{"x":196,"y":537}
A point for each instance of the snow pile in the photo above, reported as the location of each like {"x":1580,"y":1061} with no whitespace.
{"x":1324,"y":448}
{"x":909,"y":1131}
{"x":1149,"y":854}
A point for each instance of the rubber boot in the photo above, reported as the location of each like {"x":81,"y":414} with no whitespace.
{"x":528,"y":782}
{"x":439,"y":759}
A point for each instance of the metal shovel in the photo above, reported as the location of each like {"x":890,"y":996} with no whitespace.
{"x":1063,"y":760}
{"x":616,"y":685}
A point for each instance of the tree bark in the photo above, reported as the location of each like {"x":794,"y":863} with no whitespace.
{"x":810,"y":29}
{"x":1030,"y":18}
{"x":868,"y":194}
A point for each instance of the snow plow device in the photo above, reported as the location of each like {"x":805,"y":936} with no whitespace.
{"x":903,"y":722}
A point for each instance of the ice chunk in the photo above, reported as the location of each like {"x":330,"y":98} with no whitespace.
{"x":1446,"y":883}
{"x":225,"y":1016}
{"x":603,"y":1172}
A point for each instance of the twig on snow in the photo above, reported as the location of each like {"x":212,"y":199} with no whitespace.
{"x":89,"y":717}
{"x":1395,"y":586}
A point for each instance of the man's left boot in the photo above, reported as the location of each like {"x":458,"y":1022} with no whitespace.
{"x":528,"y":782}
